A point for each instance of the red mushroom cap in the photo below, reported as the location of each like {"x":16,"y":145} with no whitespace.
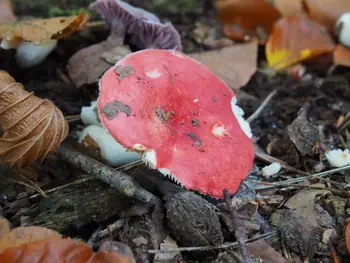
{"x":180,"y":115}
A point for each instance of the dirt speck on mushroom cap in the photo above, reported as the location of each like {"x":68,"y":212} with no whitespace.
{"x":173,"y":82}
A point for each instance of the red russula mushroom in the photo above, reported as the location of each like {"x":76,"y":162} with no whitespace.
{"x":181,"y":116}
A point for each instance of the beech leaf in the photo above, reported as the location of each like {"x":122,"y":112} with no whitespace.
{"x":23,"y":235}
{"x":294,"y":39}
{"x":235,"y":65}
{"x":37,"y":30}
{"x":32,"y":127}
{"x":341,"y":56}
{"x":58,"y":249}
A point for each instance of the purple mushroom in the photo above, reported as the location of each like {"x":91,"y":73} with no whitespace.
{"x":146,"y":30}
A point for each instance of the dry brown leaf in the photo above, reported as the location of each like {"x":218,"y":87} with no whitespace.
{"x":289,"y":7}
{"x":23,"y":235}
{"x":294,"y":39}
{"x":32,"y":127}
{"x":326,"y":12}
{"x":37,"y":30}
{"x":242,"y":18}
{"x":5,"y":226}
{"x":341,"y":56}
{"x":234,"y":65}
{"x":88,"y":64}
{"x":56,"y":249}
{"x":6,"y":12}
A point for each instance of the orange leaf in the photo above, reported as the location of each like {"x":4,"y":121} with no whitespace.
{"x":341,"y":56}
{"x":6,"y":12}
{"x":32,"y":127}
{"x":327,"y":12}
{"x":60,"y":250}
{"x":295,"y":39}
{"x":23,"y":235}
{"x":254,"y":17}
{"x":37,"y":30}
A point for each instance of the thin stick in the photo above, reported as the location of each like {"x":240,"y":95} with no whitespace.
{"x":258,"y":111}
{"x":119,"y":180}
{"x":236,"y":226}
{"x":206,"y":248}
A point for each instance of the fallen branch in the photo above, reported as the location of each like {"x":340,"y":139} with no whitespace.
{"x":119,"y":180}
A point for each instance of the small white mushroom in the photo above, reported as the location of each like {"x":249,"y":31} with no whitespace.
{"x":343,"y":29}
{"x":271,"y":169}
{"x":111,"y":151}
{"x":338,"y":157}
{"x":30,"y":54}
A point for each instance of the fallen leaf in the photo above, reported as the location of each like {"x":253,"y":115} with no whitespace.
{"x":341,"y":56}
{"x":299,"y":234}
{"x":304,"y":135}
{"x":57,"y":249}
{"x":326,"y":12}
{"x":347,"y":234}
{"x":234,"y":65}
{"x":304,"y":203}
{"x":295,"y":39}
{"x":168,"y":243}
{"x":242,"y":18}
{"x":289,"y":7}
{"x":263,"y":250}
{"x":5,"y":226}
{"x":6,"y":12}
{"x":32,"y":127}
{"x":37,"y":30}
{"x":87,"y":65}
{"x":23,"y":235}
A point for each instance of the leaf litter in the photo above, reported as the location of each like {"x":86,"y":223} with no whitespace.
{"x":297,"y":116}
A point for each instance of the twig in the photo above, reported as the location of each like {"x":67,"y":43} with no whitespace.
{"x":206,"y":248}
{"x":76,"y":182}
{"x":72,"y":118}
{"x":236,"y":226}
{"x":258,"y":111}
{"x":119,"y":180}
{"x":273,"y":185}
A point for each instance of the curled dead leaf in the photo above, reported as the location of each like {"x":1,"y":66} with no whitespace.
{"x":23,"y":235}
{"x":294,"y":39}
{"x":32,"y":127}
{"x":341,"y":56}
{"x":37,"y":30}
{"x":247,"y":18}
{"x":57,"y":249}
{"x":326,"y":12}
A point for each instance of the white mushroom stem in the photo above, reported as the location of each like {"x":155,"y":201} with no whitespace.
{"x":89,"y":115}
{"x":30,"y":54}
{"x":111,"y":151}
